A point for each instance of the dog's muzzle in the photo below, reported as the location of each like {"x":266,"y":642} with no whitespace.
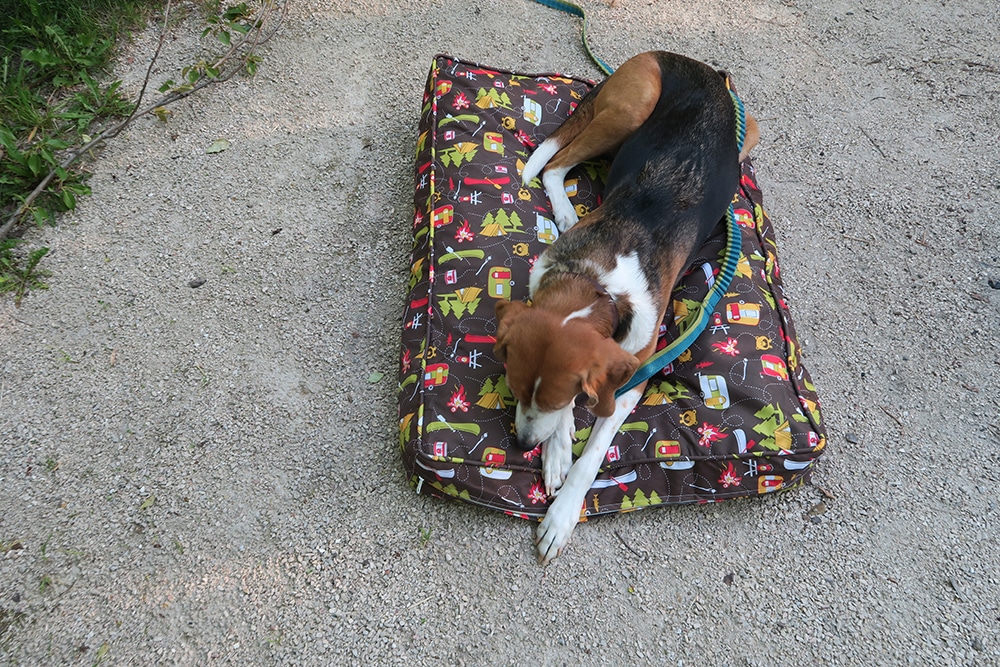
{"x":534,"y":427}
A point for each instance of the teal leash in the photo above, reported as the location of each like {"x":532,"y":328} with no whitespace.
{"x":575,"y":10}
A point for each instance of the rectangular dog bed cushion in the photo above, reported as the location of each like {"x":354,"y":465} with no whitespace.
{"x":735,"y":415}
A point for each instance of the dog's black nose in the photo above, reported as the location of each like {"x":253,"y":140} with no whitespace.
{"x":525,"y":445}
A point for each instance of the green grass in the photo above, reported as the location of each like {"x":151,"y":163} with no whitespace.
{"x":17,"y":274}
{"x":53,"y":53}
{"x":62,"y":37}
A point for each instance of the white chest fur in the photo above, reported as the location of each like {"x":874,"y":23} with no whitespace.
{"x":625,"y":281}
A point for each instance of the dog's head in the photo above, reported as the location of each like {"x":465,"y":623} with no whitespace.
{"x":550,"y":362}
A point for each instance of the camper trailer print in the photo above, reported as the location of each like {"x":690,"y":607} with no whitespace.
{"x":547,"y":230}
{"x":747,"y":314}
{"x":500,"y":283}
{"x":714,"y":391}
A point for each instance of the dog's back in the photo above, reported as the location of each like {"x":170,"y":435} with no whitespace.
{"x":682,"y":162}
{"x":671,"y":180}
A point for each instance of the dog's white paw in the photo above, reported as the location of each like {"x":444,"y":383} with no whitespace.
{"x":557,"y":459}
{"x":556,"y":528}
{"x":564,"y":214}
{"x":531,"y":170}
{"x":563,"y":211}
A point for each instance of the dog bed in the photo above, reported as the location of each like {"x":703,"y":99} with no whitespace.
{"x":735,"y":415}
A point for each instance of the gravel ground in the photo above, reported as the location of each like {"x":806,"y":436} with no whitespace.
{"x":207,"y":475}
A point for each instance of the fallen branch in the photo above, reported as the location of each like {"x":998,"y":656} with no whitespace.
{"x":626,"y":544}
{"x":226,"y":66}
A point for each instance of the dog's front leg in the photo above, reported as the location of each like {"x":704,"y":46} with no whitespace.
{"x":563,"y":210}
{"x":557,"y":453}
{"x":564,"y":513}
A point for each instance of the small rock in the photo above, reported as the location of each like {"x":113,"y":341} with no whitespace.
{"x":959,"y":593}
{"x":817,"y":509}
{"x":977,"y":644}
{"x":851,"y":438}
{"x":197,"y":282}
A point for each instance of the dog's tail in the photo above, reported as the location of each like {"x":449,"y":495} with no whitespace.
{"x":562,"y":136}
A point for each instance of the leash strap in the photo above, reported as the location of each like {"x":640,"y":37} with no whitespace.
{"x":661,"y":359}
{"x":575,"y":10}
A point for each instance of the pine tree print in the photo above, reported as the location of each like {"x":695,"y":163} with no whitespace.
{"x":774,"y":428}
{"x":661,"y":393}
{"x":495,"y":395}
{"x":460,"y":302}
{"x":501,"y":223}
{"x":464,"y":151}
{"x":492,"y":98}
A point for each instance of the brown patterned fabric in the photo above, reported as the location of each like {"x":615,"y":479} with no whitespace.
{"x":735,"y":415}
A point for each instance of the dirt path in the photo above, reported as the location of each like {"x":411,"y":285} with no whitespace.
{"x":208,"y":476}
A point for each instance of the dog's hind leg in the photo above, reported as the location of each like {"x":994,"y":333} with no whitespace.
{"x":561,"y":136}
{"x":752,"y":137}
{"x":603,"y":121}
{"x":554,"y":178}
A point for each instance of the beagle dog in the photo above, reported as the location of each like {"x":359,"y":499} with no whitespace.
{"x":599,"y":293}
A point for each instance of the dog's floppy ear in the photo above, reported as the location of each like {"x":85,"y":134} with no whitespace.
{"x":612,"y":369}
{"x":507,"y":312}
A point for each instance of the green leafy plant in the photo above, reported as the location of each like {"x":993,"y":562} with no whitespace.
{"x":52,"y":57}
{"x":17,"y":276}
{"x":241,"y":20}
{"x":68,"y":56}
